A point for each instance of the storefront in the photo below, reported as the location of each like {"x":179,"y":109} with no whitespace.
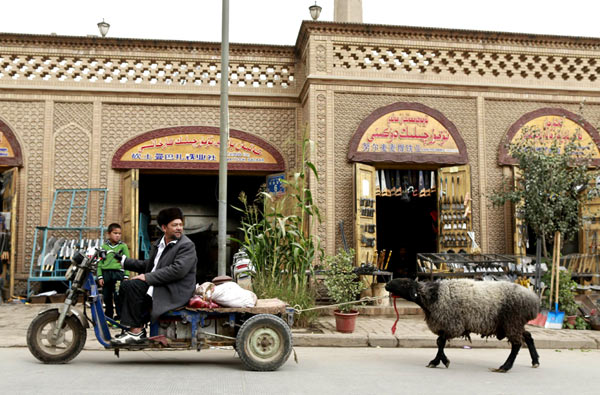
{"x":554,"y":126}
{"x":178,"y":167}
{"x":411,"y":187}
{"x":417,"y":114}
{"x":10,"y":161}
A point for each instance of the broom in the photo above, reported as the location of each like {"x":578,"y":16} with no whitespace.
{"x":555,"y":318}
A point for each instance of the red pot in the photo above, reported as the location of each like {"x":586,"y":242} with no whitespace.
{"x":571,"y":319}
{"x":345,"y":322}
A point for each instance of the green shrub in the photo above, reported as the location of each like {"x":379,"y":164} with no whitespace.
{"x":342,"y":283}
{"x":566,"y":292}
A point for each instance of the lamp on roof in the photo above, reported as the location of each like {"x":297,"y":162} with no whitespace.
{"x":315,"y":11}
{"x":103,"y":27}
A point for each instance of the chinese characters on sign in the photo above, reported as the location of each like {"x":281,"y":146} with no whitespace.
{"x":407,"y":132}
{"x":196,"y":148}
{"x":5,"y":148}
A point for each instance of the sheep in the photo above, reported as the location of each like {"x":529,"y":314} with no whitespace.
{"x":455,"y":308}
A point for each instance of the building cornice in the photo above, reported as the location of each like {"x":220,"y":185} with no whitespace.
{"x":97,"y":43}
{"x":439,"y":34}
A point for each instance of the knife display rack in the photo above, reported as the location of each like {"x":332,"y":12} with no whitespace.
{"x":454,"y":210}
{"x":494,"y":267}
{"x":75,"y":224}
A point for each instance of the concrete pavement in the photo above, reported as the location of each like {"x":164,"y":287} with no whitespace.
{"x":371,"y":331}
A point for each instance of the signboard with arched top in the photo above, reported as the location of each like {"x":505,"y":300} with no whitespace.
{"x":407,"y":133}
{"x":197,"y":147}
{"x":551,"y":126}
{"x":10,"y":150}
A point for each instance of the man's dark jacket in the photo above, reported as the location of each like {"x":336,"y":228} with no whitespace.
{"x":174,"y":279}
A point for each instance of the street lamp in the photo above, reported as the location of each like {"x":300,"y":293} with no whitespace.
{"x":315,"y":11}
{"x":103,"y":27}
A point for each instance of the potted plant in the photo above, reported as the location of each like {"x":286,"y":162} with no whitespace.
{"x":343,"y":285}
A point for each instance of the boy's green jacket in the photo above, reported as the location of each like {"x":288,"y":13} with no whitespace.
{"x":110,"y":263}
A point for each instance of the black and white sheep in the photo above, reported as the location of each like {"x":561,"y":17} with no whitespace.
{"x":457,"y":308}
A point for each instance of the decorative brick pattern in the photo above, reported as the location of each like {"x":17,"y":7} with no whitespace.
{"x":352,"y":108}
{"x":114,"y":70}
{"x":72,"y":156}
{"x":27,"y":121}
{"x":321,"y":163}
{"x":120,"y":123}
{"x":77,"y":113}
{"x":475,"y":64}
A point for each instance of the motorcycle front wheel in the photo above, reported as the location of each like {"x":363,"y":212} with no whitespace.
{"x":65,"y":347}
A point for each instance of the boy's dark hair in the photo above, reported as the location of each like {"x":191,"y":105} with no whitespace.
{"x":113,"y":226}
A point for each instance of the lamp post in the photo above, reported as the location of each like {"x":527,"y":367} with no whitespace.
{"x":224,"y":138}
{"x":315,"y":11}
{"x":103,"y":27}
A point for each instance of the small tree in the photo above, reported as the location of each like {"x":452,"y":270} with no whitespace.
{"x":549,"y":183}
{"x":342,"y":283}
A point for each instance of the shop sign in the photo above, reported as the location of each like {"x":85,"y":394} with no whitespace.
{"x":196,"y":150}
{"x":275,"y":184}
{"x":547,"y":127}
{"x":10,"y":151}
{"x":409,"y":134}
{"x":5,"y":148}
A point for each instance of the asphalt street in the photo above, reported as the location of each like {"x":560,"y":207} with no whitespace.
{"x":318,"y":371}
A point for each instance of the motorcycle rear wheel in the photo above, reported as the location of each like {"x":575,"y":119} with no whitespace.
{"x":67,"y":346}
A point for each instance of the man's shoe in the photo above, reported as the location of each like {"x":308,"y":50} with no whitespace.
{"x":128,"y":338}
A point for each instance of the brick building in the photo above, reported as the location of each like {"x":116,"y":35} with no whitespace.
{"x":90,"y":112}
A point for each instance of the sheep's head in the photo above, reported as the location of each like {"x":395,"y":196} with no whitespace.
{"x":404,"y":288}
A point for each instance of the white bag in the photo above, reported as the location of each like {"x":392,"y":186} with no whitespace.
{"x":230,"y":294}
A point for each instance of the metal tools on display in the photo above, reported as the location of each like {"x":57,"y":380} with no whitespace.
{"x":405,"y":183}
{"x":454,"y":212}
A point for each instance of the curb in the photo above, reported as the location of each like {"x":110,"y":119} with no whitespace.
{"x":426,"y":341}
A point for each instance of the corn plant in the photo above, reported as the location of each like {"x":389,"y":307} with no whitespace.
{"x":279,"y":240}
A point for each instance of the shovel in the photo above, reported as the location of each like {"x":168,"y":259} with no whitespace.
{"x":555,"y":318}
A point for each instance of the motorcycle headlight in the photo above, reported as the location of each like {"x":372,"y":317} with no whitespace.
{"x":71,"y":271}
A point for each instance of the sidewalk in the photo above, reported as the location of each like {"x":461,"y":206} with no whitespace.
{"x":371,"y":331}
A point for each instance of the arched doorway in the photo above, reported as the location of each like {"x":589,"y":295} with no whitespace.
{"x":11,"y":160}
{"x":411,"y":182}
{"x":551,"y":124}
{"x":179,"y":167}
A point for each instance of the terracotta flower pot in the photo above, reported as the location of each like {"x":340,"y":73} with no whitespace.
{"x":345,"y":322}
{"x":571,"y":319}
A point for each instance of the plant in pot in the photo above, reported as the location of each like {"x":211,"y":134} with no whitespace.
{"x":343,"y":285}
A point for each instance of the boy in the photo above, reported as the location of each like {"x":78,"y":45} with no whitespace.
{"x":110,"y":271}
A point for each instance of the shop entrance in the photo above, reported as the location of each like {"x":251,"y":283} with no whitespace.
{"x":197,"y":196}
{"x":8,"y":204}
{"x":406,"y":217}
{"x":402,"y":212}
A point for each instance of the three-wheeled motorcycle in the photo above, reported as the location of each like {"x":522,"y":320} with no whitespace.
{"x":260,"y":336}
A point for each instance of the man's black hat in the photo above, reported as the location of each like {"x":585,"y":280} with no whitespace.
{"x":166,"y":215}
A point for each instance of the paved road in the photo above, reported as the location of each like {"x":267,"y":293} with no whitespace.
{"x":319,"y":371}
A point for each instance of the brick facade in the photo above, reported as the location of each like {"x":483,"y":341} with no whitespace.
{"x":71,"y":102}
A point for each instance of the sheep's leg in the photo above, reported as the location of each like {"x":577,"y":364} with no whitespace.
{"x":440,"y":356}
{"x":511,"y":358}
{"x":535,"y":358}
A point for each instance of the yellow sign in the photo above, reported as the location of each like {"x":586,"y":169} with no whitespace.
{"x":550,"y":129}
{"x":407,"y":132}
{"x":6,"y":150}
{"x":196,"y":148}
